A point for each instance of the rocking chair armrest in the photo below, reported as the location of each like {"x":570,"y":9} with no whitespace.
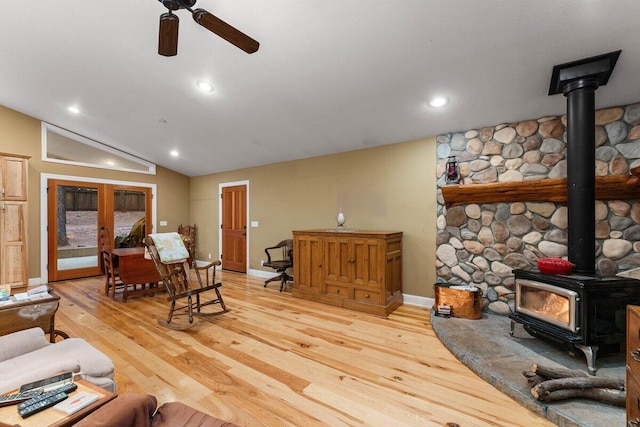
{"x":207,"y":266}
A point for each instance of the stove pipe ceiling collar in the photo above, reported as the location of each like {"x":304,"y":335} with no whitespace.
{"x":599,"y":67}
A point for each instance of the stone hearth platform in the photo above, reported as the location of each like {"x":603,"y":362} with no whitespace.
{"x":485,"y":346}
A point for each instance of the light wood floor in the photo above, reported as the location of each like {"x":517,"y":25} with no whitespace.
{"x":275,"y":360}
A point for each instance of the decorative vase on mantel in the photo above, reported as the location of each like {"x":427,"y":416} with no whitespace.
{"x":341,"y":219}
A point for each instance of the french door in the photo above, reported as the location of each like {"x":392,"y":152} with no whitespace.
{"x":76,"y":211}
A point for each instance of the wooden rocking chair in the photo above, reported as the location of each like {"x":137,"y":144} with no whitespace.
{"x":170,"y":257}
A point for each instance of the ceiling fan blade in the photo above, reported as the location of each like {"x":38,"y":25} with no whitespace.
{"x":168,"y":37}
{"x":226,"y":31}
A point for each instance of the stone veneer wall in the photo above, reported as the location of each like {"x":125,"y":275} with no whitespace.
{"x":481,"y":244}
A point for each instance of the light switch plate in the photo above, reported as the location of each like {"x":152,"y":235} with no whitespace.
{"x":254,"y":223}
{"x":163,"y":223}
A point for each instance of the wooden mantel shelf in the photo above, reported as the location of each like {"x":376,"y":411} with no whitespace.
{"x":608,"y":187}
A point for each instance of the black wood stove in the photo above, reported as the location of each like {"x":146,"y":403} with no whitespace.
{"x":581,"y":309}
{"x":584,"y":312}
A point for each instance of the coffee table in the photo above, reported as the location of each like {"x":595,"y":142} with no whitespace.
{"x":54,"y":418}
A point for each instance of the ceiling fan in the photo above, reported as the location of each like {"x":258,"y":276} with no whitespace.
{"x":168,"y":37}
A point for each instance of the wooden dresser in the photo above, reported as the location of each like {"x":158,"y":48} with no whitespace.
{"x":633,"y":365}
{"x":359,"y":270}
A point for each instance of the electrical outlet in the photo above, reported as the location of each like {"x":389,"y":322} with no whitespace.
{"x":209,"y":256}
{"x":261,"y":262}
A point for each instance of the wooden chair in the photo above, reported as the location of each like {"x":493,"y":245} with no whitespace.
{"x":189,"y":234}
{"x":170,"y":257}
{"x":280,"y":258}
{"x":108,"y":264}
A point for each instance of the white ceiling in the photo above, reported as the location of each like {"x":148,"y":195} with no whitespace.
{"x":330,"y":76}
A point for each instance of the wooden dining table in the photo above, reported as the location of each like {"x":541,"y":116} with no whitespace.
{"x":138,"y":273}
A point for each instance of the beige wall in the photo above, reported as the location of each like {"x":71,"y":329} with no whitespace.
{"x":21,"y":134}
{"x":385,"y":188}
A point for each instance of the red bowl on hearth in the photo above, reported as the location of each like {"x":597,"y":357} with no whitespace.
{"x":555,"y":266}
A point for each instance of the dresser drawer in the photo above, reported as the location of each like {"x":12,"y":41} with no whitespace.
{"x":367,"y":296}
{"x":340,"y":291}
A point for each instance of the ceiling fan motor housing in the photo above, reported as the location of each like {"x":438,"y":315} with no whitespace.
{"x":177,"y":4}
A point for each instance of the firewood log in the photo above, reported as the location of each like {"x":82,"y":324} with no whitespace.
{"x":552,"y":373}
{"x":533,"y":378}
{"x":541,"y":390}
{"x":607,"y":395}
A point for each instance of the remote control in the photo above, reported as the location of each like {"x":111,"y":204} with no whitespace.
{"x":41,"y":405}
{"x":68,"y":388}
{"x":13,"y":399}
{"x":49,"y":383}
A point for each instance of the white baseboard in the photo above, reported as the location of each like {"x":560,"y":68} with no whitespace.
{"x":425,"y":302}
{"x":262,"y":273}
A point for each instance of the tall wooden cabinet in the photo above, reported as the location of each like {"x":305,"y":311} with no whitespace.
{"x":360,"y":270}
{"x":14,"y":269}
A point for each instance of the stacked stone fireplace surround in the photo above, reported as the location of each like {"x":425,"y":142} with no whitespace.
{"x":482,"y":244}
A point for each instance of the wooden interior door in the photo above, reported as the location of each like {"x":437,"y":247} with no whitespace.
{"x":234,"y":228}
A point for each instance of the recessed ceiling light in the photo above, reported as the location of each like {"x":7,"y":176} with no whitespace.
{"x":439,"y":101}
{"x":174,"y":153}
{"x":205,"y":86}
{"x":74,"y":109}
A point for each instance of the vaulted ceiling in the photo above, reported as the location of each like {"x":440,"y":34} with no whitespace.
{"x":329,"y":76}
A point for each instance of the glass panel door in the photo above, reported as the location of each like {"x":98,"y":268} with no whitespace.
{"x":131,"y":214}
{"x":77,"y":210}
{"x":73,"y":229}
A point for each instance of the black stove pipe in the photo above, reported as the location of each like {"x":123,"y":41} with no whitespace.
{"x":578,"y":81}
{"x":581,"y":149}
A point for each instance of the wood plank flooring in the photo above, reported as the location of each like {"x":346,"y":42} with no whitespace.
{"x":275,"y":360}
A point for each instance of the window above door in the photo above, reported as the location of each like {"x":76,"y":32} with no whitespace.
{"x":62,"y":146}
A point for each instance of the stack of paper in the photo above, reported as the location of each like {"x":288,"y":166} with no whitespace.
{"x":76,"y":401}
